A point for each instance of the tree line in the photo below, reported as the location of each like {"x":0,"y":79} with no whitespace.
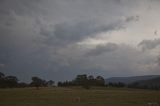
{"x":8,"y":81}
{"x":12,"y":82}
{"x":84,"y":81}
{"x":80,"y":80}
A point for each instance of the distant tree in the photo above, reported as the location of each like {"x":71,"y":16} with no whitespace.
{"x":117,"y":84}
{"x":10,"y":81}
{"x":110,"y":84}
{"x":37,"y":82}
{"x":82,"y":80}
{"x":133,"y":85}
{"x":91,"y":80}
{"x":90,"y":77}
{"x":59,"y":84}
{"x":44,"y":83}
{"x":50,"y":83}
{"x":1,"y":75}
{"x":2,"y":80}
{"x":100,"y":81}
{"x":121,"y":84}
{"x":22,"y":85}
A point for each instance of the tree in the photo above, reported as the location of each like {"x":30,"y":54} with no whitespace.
{"x":50,"y":83}
{"x":83,"y":81}
{"x":10,"y":81}
{"x":90,"y":77}
{"x":2,"y":80}
{"x":1,"y":75}
{"x":22,"y":85}
{"x":37,"y":82}
{"x":91,"y":80}
{"x":59,"y":84}
{"x":100,"y":81}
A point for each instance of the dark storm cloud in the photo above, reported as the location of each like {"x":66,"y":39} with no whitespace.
{"x":132,"y":18}
{"x":19,"y":7}
{"x":158,"y":60}
{"x":100,"y":49}
{"x":64,"y":33}
{"x":124,"y":60}
{"x":149,"y":44}
{"x":40,"y":37}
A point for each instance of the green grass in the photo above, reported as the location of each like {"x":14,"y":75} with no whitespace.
{"x":64,"y":97}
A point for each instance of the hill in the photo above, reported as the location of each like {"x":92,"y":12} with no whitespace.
{"x":153,"y":83}
{"x":131,"y":79}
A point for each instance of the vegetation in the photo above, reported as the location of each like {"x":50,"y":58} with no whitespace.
{"x":153,"y":84}
{"x":8,"y":81}
{"x":100,"y":94}
{"x":81,"y":80}
{"x":12,"y":82}
{"x":58,"y":96}
{"x":84,"y":81}
{"x":118,"y":85}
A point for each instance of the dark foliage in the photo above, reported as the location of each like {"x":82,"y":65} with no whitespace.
{"x":37,"y":82}
{"x":84,"y":81}
{"x":22,"y":85}
{"x":8,"y":81}
{"x":118,"y":85}
{"x":12,"y":82}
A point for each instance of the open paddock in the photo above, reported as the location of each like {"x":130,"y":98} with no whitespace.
{"x":77,"y":97}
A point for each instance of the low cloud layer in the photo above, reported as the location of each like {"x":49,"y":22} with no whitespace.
{"x":150,"y":44}
{"x":58,"y":39}
{"x":100,"y":49}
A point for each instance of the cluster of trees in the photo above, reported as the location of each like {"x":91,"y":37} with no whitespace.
{"x":144,"y":86}
{"x":80,"y":80}
{"x":38,"y":82}
{"x":12,"y":82}
{"x":118,"y":85}
{"x":8,"y":81}
{"x":138,"y":85}
{"x":84,"y":81}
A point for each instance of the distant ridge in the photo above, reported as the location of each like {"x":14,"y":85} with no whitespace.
{"x":131,"y":79}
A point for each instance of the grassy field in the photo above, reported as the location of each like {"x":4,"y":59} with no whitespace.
{"x":65,"y":97}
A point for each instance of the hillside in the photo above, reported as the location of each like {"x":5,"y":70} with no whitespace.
{"x":148,"y":84}
{"x":131,"y":79}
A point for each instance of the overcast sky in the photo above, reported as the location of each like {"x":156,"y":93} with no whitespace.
{"x":58,"y":39}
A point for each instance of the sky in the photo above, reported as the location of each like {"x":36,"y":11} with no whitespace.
{"x":58,"y":39}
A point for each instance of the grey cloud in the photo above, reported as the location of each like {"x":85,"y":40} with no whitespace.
{"x":82,"y":30}
{"x":100,"y":49}
{"x":39,"y":37}
{"x":158,"y":60}
{"x":149,"y":44}
{"x":64,"y":33}
{"x":117,"y":1}
{"x":132,"y":18}
{"x":19,"y":7}
{"x":125,"y":60}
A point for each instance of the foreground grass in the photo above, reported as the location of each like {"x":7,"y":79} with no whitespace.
{"x":65,"y":96}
